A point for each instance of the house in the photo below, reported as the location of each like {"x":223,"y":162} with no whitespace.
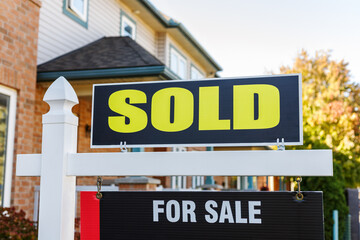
{"x":88,"y":42}
{"x":19,"y":24}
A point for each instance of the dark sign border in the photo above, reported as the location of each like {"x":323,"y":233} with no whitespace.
{"x":289,"y":128}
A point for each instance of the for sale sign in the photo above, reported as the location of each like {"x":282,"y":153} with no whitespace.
{"x":209,"y":112}
{"x":201,"y":215}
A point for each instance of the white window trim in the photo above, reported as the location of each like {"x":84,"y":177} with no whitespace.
{"x":198,"y":72}
{"x":197,"y":181}
{"x":173,"y":50}
{"x":130,"y":22}
{"x":178,"y":182}
{"x":9,"y":158}
{"x":83,"y":16}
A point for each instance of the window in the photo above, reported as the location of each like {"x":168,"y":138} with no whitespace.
{"x":195,"y":73}
{"x":197,"y":181}
{"x":137,"y":149}
{"x":127,"y":26}
{"x":178,"y":182}
{"x":7,"y":130}
{"x":177,"y":63}
{"x":79,"y":7}
{"x":77,"y":10}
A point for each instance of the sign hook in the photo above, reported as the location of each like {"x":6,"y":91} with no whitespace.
{"x":123,"y":147}
{"x":280,"y":146}
{"x":299,"y":195}
{"x":98,"y":185}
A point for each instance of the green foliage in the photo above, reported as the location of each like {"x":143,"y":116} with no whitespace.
{"x":334,"y":197}
{"x":331,"y":104}
{"x":14,"y":225}
{"x":333,"y":188}
{"x":330,"y":120}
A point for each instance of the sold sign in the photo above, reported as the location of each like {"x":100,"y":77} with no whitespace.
{"x":210,"y":112}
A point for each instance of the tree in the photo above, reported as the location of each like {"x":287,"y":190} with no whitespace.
{"x":330,"y":120}
{"x":14,"y":225}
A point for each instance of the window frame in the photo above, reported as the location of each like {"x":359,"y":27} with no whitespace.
{"x":193,"y":67}
{"x":72,"y":13}
{"x":126,"y":18}
{"x":180,"y":56}
{"x":197,"y":181}
{"x":9,"y":157}
{"x":178,"y":182}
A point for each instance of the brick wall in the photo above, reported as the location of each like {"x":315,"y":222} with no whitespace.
{"x":19,"y":21}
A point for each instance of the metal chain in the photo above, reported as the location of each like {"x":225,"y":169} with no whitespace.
{"x":299,"y":195}
{"x":280,"y":145}
{"x":123,"y":147}
{"x":98,"y":185}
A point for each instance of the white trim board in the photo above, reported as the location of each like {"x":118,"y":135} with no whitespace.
{"x":203,"y":163}
{"x":9,"y":143}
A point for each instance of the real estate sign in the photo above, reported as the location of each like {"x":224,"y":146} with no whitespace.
{"x":201,"y":215}
{"x":207,"y":111}
{"x":210,"y":112}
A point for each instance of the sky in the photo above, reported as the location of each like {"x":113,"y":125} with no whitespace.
{"x":256,"y":37}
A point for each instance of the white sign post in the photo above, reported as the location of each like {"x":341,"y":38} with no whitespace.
{"x":59,"y":164}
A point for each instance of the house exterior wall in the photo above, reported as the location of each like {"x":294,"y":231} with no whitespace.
{"x":18,"y":51}
{"x":161,"y":42}
{"x":190,"y":60}
{"x":30,"y":35}
{"x":59,"y":34}
{"x":145,"y":35}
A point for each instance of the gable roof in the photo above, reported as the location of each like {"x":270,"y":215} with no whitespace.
{"x":173,"y":26}
{"x":169,"y":22}
{"x":108,"y":57}
{"x":105,"y":53}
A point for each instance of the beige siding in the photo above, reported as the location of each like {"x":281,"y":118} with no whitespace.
{"x":59,"y":34}
{"x":161,"y":46}
{"x":145,"y":36}
{"x":189,"y":59}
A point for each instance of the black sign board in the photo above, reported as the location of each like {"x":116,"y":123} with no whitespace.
{"x":202,"y":215}
{"x":210,"y":112}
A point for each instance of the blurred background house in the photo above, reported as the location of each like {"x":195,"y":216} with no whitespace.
{"x":88,"y":42}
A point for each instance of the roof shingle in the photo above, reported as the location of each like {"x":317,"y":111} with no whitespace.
{"x":107,"y":52}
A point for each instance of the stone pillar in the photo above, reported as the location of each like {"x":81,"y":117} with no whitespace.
{"x":137,"y":183}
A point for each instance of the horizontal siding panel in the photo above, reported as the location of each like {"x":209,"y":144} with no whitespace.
{"x":146,"y":37}
{"x":62,"y":43}
{"x":61,"y":34}
{"x":106,"y":21}
{"x":72,"y":34}
{"x":161,"y":46}
{"x":47,"y":53}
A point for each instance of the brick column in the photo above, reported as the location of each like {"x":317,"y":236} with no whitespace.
{"x":19,"y":24}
